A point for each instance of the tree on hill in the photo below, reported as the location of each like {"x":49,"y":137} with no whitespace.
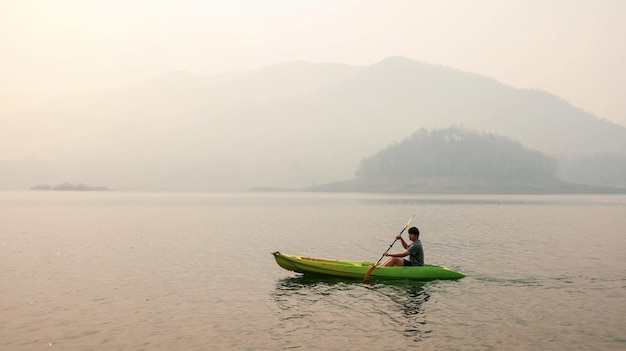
{"x":457,"y":152}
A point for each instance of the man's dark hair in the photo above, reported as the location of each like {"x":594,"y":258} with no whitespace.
{"x":414,"y":230}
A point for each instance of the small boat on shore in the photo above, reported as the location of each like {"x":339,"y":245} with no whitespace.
{"x":358,"y":269}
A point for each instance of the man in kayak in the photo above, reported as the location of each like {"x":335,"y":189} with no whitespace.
{"x":414,"y":251}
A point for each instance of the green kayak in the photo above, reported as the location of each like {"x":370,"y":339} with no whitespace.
{"x":358,"y":269}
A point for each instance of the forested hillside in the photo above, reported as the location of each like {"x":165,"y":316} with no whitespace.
{"x":458,"y":160}
{"x":457,"y":152}
{"x":607,"y":169}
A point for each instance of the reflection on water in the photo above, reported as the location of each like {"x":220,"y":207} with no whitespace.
{"x":397,"y":305}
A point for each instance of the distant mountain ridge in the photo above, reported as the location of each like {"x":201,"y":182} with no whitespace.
{"x":288,"y":125}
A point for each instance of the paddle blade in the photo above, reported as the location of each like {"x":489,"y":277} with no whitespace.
{"x":409,"y":222}
{"x":369,"y":272}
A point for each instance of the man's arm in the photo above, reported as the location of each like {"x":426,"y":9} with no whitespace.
{"x":399,"y":254}
{"x":404,"y":244}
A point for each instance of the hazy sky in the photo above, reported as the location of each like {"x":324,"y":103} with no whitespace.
{"x":573,"y":48}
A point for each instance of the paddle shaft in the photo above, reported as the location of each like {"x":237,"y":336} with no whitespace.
{"x":390,"y":246}
{"x":369,"y":271}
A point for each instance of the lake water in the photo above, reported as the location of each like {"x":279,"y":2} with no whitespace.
{"x":172,"y":271}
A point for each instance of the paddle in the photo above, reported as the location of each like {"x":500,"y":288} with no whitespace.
{"x":369,"y":271}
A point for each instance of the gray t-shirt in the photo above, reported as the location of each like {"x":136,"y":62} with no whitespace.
{"x":416,"y":253}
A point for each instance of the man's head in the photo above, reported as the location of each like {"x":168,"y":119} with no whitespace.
{"x":414,"y":231}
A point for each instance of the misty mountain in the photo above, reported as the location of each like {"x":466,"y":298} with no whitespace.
{"x":289,"y":125}
{"x":457,"y":160}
